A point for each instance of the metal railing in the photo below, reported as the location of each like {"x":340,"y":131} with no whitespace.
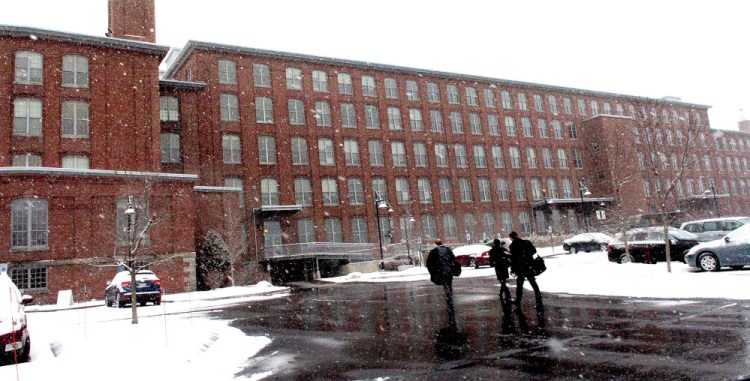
{"x":354,"y":252}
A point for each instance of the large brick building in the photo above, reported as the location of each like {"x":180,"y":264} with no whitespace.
{"x":309,"y":144}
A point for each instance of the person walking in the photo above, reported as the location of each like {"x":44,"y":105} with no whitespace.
{"x":441,"y":263}
{"x":521,"y":255}
{"x":500,"y":260}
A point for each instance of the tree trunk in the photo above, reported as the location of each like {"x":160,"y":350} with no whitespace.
{"x":133,"y":301}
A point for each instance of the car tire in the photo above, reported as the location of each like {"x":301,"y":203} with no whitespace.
{"x":24,"y":355}
{"x":623,"y":259}
{"x":120,"y":304}
{"x":708,"y":262}
{"x":107,"y":302}
{"x":142,"y":303}
{"x":573,"y":250}
{"x":473,"y":263}
{"x":157,"y":302}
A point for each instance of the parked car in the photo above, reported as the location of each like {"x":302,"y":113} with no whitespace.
{"x":714,"y":228}
{"x":148,"y":288}
{"x":15,"y":341}
{"x":647,"y":245}
{"x":472,"y":255}
{"x":587,"y":242}
{"x":733,"y":251}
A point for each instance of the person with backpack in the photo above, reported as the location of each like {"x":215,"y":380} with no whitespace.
{"x":500,"y":260}
{"x":443,"y":266}
{"x":521,"y":257}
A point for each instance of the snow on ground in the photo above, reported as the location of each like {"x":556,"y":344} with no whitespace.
{"x":173,"y":341}
{"x":592,"y":274}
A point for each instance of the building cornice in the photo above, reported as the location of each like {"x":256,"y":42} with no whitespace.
{"x":67,"y":172}
{"x":171,"y":84}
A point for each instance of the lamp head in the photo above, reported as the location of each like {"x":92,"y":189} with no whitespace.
{"x":587,"y":193}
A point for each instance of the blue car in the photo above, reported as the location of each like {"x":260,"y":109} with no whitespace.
{"x":731,"y":251}
{"x":148,"y":289}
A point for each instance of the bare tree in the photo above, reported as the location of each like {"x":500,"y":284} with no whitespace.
{"x":666,"y":165}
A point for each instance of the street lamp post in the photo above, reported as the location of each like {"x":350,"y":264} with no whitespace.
{"x":408,"y":225}
{"x":380,"y":203}
{"x":716,"y":202}
{"x":583,"y":191}
{"x":129,"y":213}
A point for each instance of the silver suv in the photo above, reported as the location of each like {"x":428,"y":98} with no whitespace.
{"x":714,"y":228}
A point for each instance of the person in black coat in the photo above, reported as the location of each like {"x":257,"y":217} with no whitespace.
{"x":440,"y":264}
{"x":500,"y":260}
{"x":522,"y":254}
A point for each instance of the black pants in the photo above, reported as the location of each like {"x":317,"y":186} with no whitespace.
{"x":448,"y":289}
{"x":502,"y":276}
{"x":519,"y":289}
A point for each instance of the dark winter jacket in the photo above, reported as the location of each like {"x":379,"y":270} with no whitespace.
{"x":500,"y":260}
{"x":521,"y":255}
{"x":440,"y":264}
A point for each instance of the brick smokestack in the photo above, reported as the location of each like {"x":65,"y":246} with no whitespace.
{"x":744,"y":125}
{"x":132,"y":20}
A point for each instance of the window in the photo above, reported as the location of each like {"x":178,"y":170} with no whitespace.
{"x":538,"y":103}
{"x":552,"y":188}
{"x":608,"y":109}
{"x":27,"y":115}
{"x":394,"y":119}
{"x":348,"y":118}
{"x":519,"y":185}
{"x":33,"y":278}
{"x":391,"y":88}
{"x":29,"y":67}
{"x":531,"y":158}
{"x":567,"y":188}
{"x":493,"y":124}
{"x":368,"y":86}
{"x":507,"y":100}
{"x":441,"y":155}
{"x":378,"y":188}
{"x":299,"y":151}
{"x":594,"y":108}
{"x":449,"y":226}
{"x":402,"y":190}
{"x":433,"y":93}
{"x":75,"y":162}
{"x":351,"y":152}
{"x":471,"y":96}
{"x":266,"y":150}
{"x":621,"y":111}
{"x":263,"y":110}
{"x":470,"y":224}
{"x":489,"y":98}
{"x":446,"y":190}
{"x":415,"y":119}
{"x":562,"y":158}
{"x":510,"y":126}
{"x":502,"y":189}
{"x":375,"y":149}
{"x":528,"y":131}
{"x":515,"y":157}
{"x":523,"y":103}
{"x":269,"y":191}
{"x":525,"y":221}
{"x":75,"y":71}
{"x":567,"y":106}
{"x":261,"y":76}
{"x":507,"y":221}
{"x":75,"y":119}
{"x":359,"y":230}
{"x":552,"y":104}
{"x":320,"y":81}
{"x":230,"y":111}
{"x":372,"y":117}
{"x":296,"y":112}
{"x":345,"y":84}
{"x":485,"y":195}
{"x":293,"y":78}
{"x":475,"y":123}
{"x":436,"y":121}
{"x":233,"y":182}
{"x":302,"y":191}
{"x":461,"y":159}
{"x":578,"y":159}
{"x":305,"y":231}
{"x":547,"y":158}
{"x":227,"y":72}
{"x":28,"y":221}
{"x":457,"y":123}
{"x":428,"y":227}
{"x":322,"y":114}
{"x":557,"y":129}
{"x":169,"y":109}
{"x":330,"y":191}
{"x":581,"y":107}
{"x":27,"y":160}
{"x":398,"y":153}
{"x":425,"y":191}
{"x":647,"y":187}
{"x":170,"y":147}
{"x":542,"y":127}
{"x":356,"y":191}
{"x":325,"y":151}
{"x":412,"y":91}
{"x":231,"y":146}
{"x":420,"y":154}
{"x":332,"y":226}
{"x":536,"y":189}
{"x":452,"y":92}
{"x":497,"y":157}
{"x":488,"y":225}
{"x":480,"y":159}
{"x":572,"y":130}
{"x":464,"y":187}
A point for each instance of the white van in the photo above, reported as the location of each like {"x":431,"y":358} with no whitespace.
{"x":714,"y":228}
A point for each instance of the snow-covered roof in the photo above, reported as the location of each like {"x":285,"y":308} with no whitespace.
{"x":95,"y":173}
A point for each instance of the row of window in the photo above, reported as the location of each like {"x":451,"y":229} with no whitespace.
{"x":29,"y":68}
{"x":698,"y":187}
{"x":34,"y":160}
{"x":232,"y":153}
{"x":671,"y":161}
{"x":27,"y":118}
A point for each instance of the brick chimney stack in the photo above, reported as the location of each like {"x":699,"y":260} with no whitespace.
{"x":744,"y":125}
{"x":132,"y":20}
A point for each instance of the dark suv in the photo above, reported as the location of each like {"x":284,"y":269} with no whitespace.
{"x":148,"y":289}
{"x":647,"y":245}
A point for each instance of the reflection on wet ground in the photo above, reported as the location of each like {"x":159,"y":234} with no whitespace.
{"x":405,"y":331}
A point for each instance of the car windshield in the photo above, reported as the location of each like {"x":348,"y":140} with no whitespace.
{"x":681,"y":234}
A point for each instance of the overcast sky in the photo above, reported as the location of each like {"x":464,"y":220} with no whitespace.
{"x":696,"y":50}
